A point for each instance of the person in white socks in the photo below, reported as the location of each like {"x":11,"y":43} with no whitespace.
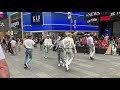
{"x":4,"y":69}
{"x":69,"y":46}
{"x":47,"y":45}
{"x":90,"y":43}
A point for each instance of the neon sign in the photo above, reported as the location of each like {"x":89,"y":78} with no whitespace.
{"x":105,"y":18}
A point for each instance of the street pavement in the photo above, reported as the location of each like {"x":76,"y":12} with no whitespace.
{"x":104,"y":66}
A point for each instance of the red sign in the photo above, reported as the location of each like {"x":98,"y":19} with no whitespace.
{"x":105,"y":18}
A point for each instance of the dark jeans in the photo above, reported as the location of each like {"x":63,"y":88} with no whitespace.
{"x":86,"y":50}
{"x":28,"y":55}
{"x":118,"y":51}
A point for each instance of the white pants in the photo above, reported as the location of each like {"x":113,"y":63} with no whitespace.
{"x":114,"y":50}
{"x":92,"y":50}
{"x":68,"y":56}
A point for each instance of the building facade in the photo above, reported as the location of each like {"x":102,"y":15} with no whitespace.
{"x":108,"y":22}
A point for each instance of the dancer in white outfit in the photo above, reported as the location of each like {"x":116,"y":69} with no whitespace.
{"x":68,"y":44}
{"x":91,"y":45}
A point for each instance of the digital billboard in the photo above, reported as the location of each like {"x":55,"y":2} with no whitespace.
{"x":1,"y":15}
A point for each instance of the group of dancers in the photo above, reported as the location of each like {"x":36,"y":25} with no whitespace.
{"x":65,"y":48}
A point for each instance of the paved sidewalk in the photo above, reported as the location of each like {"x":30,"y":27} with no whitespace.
{"x":104,"y":66}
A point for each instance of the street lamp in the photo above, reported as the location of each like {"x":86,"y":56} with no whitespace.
{"x":74,"y":24}
{"x":70,"y":18}
{"x":2,"y":25}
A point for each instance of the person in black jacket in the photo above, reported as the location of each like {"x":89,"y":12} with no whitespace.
{"x":41,"y":43}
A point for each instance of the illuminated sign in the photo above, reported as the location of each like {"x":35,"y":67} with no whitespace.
{"x":91,"y":14}
{"x":1,"y":15}
{"x":36,"y":18}
{"x":16,"y":24}
{"x":105,"y":18}
{"x":92,"y":20}
{"x":115,"y":13}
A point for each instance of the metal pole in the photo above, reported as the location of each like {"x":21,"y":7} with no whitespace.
{"x":3,"y":32}
{"x":71,"y":24}
{"x":10,"y":26}
{"x":22,"y":25}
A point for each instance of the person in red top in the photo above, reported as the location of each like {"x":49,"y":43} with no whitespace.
{"x":99,"y":43}
{"x":84,"y":41}
{"x":105,"y":43}
{"x":96,"y":43}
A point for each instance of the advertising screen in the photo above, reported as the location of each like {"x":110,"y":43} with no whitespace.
{"x":1,"y":15}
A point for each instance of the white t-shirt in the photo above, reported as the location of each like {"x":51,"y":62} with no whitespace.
{"x":29,"y":43}
{"x":68,"y":42}
{"x":2,"y":56}
{"x":13,"y":43}
{"x":47,"y":42}
{"x":90,"y":41}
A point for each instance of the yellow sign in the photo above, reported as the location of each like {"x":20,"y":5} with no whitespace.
{"x":109,"y":50}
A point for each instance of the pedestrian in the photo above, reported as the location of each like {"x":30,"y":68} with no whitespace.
{"x":4,"y":43}
{"x":19,"y":45}
{"x":69,"y":46}
{"x":118,"y":46}
{"x":41,"y":43}
{"x":86,"y":47}
{"x":9,"y":47}
{"x":60,"y":50}
{"x":114,"y":46}
{"x":47,"y":45}
{"x":13,"y":45}
{"x":4,"y":69}
{"x":28,"y":44}
{"x":91,"y":45}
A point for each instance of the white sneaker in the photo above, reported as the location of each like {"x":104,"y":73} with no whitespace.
{"x":66,"y":66}
{"x":63,"y":64}
{"x":45,"y":57}
{"x":27,"y":64}
{"x":58,"y":65}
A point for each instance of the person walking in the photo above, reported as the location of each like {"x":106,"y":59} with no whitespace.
{"x":41,"y":44}
{"x":91,"y":45}
{"x":13,"y":46}
{"x":47,"y":45}
{"x":9,"y":46}
{"x":69,"y":47}
{"x":28,"y":44}
{"x":4,"y":44}
{"x":19,"y":44}
{"x":60,"y":50}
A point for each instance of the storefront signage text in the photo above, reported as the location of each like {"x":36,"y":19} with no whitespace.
{"x":15,"y":24}
{"x":115,"y":13}
{"x":92,"y":20}
{"x":91,"y":14}
{"x":36,"y":18}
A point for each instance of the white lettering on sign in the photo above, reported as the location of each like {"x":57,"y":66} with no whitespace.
{"x":92,"y":20}
{"x":92,"y":14}
{"x":36,"y":18}
{"x":15,"y":24}
{"x":114,"y":13}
